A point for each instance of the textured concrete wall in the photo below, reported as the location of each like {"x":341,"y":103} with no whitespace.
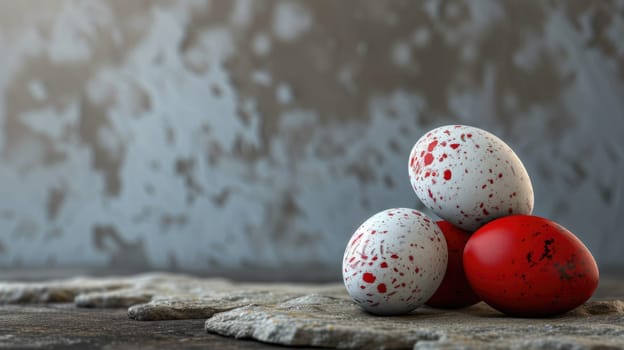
{"x":230,"y":134}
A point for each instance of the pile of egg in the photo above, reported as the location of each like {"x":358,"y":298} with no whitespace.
{"x":488,"y":247}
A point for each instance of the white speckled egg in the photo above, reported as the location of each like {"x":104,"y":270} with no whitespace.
{"x":468,"y":176}
{"x":395,"y":261}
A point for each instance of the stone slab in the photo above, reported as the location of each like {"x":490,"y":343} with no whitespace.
{"x":334,"y":322}
{"x":324,"y":316}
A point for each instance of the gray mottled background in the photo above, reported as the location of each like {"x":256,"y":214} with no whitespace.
{"x":236,"y":135}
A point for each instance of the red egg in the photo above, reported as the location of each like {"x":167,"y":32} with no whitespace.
{"x":455,"y":291}
{"x":529,"y":266}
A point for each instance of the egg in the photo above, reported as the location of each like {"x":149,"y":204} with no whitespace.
{"x":468,"y":176}
{"x":394,"y":261}
{"x":529,"y":266}
{"x":455,"y":290}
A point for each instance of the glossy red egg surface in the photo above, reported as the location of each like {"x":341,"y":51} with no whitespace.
{"x":455,"y":291}
{"x":529,"y":266}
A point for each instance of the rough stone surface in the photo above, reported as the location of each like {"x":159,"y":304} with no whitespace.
{"x":335,"y":322}
{"x":319,"y":321}
{"x":56,"y":291}
{"x":324,"y":316}
{"x":182,"y":307}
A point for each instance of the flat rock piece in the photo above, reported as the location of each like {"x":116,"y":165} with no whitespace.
{"x":59,"y":291}
{"x":324,"y":315}
{"x":316,"y":320}
{"x":338,"y":323}
{"x":175,"y":308}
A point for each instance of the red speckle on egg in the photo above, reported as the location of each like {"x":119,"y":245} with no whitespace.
{"x":383,"y":265}
{"x":432,"y":146}
{"x":428,"y":159}
{"x":447,"y":174}
{"x":454,"y":145}
{"x":368,"y":277}
{"x":357,"y":238}
{"x":381,"y":288}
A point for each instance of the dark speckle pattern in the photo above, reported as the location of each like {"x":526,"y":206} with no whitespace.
{"x":529,"y":266}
